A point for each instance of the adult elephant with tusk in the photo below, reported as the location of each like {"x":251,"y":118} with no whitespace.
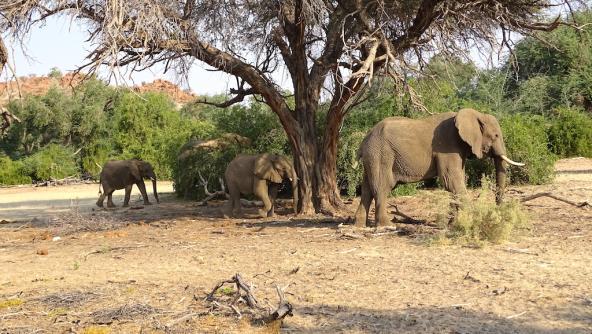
{"x":123,"y":174}
{"x":402,"y":150}
{"x":260,"y":175}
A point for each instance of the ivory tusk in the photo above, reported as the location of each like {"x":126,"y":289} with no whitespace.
{"x":506,"y":159}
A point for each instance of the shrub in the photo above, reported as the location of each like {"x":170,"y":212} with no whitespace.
{"x":480,"y":219}
{"x":349,"y":169}
{"x":13,"y":172}
{"x":570,"y":133}
{"x":52,"y":162}
{"x":208,"y":159}
{"x":407,"y":189}
{"x":526,"y":141}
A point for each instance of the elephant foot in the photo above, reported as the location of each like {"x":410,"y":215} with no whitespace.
{"x":383,"y":222}
{"x":360,"y":223}
{"x":147,"y":203}
{"x":262,"y":213}
{"x":111,"y":205}
{"x":100,"y":205}
{"x":125,"y":205}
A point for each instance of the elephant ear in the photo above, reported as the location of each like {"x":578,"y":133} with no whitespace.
{"x":264,"y":168}
{"x":469,"y":128}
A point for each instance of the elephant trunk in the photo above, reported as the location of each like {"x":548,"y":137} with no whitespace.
{"x":154,"y":189}
{"x":500,"y":179}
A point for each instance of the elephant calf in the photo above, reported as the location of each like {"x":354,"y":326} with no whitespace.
{"x":261,"y":175}
{"x":123,"y":174}
{"x":402,"y":150}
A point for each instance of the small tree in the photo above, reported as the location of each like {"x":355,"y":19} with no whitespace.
{"x":332,"y":49}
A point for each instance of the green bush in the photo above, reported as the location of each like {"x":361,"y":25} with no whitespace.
{"x":570,"y":133}
{"x":209,"y":161}
{"x":526,"y":141}
{"x":52,"y":162}
{"x":349,"y":169}
{"x":13,"y":172}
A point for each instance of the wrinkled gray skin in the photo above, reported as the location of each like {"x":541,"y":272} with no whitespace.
{"x":123,"y":174}
{"x":402,"y":150}
{"x":261,"y":175}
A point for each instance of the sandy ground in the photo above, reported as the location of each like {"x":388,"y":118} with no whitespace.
{"x":148,"y":270}
{"x":42,"y":203}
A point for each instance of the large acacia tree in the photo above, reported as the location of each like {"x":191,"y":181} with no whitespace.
{"x":331,"y":50}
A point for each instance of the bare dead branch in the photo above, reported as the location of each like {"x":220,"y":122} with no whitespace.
{"x":555,"y":197}
{"x":210,"y":195}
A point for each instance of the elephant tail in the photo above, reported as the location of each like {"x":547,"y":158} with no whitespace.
{"x":100,"y":186}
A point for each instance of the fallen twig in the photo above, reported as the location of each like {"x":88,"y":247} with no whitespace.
{"x":516,"y":315}
{"x":520,"y":251}
{"x":555,"y":197}
{"x":110,"y":249}
{"x":184,"y":318}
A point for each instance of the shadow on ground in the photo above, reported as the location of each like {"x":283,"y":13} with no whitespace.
{"x":342,"y":319}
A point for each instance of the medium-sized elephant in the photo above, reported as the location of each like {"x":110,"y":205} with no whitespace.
{"x":123,"y":174}
{"x":403,"y":150}
{"x":261,"y":175}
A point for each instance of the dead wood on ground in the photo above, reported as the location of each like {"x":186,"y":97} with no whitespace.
{"x":244,"y":294}
{"x":555,"y":197}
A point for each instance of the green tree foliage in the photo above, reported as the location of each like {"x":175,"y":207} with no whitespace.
{"x":561,"y":68}
{"x":570,"y":133}
{"x":52,"y":162}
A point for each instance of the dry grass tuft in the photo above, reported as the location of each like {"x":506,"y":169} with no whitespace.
{"x":74,"y":222}
{"x":8,"y":303}
{"x":96,"y":330}
{"x":481,"y":220}
{"x":125,"y":312}
{"x":68,"y":299}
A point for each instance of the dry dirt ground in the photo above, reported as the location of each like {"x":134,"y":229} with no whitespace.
{"x":147,"y":270}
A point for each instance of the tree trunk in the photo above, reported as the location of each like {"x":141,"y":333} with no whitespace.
{"x":316,"y":165}
{"x":326,"y":169}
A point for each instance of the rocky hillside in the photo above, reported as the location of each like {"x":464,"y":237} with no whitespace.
{"x":35,"y":85}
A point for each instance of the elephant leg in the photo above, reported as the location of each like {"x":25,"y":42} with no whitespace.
{"x":383,"y":187}
{"x":142,"y":188}
{"x":273,"y":190}
{"x":452,"y":175}
{"x":235,"y":208}
{"x":128,"y":192}
{"x":260,"y":190}
{"x":110,"y":199}
{"x":361,"y":218}
{"x":381,"y":202}
{"x":101,"y":198}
